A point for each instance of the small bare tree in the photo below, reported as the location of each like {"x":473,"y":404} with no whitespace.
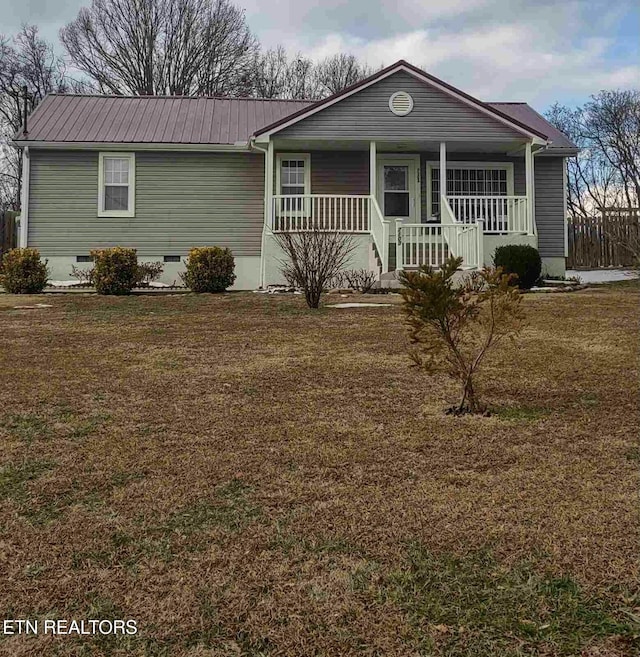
{"x":454,"y":327}
{"x":361,"y":280}
{"x":313,"y":258}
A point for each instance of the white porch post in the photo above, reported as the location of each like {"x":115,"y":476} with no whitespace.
{"x":443,"y":172}
{"x":529,"y":179}
{"x":373,"y":166}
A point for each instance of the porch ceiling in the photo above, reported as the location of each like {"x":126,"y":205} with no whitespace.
{"x":403,"y":146}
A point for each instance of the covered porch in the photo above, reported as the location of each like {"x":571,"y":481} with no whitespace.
{"x":392,"y":192}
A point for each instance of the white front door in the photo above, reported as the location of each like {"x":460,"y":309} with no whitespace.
{"x":399,"y":187}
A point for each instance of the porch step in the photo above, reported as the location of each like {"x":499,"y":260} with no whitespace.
{"x":390,"y":280}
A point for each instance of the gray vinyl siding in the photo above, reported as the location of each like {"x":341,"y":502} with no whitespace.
{"x":549,"y":206}
{"x":334,"y":172}
{"x":337,"y":172}
{"x":182,"y":200}
{"x":435,"y":116}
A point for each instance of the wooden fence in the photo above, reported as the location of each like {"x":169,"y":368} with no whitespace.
{"x":604,"y":240}
{"x":8,"y":231}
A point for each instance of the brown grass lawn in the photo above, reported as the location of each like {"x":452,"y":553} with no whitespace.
{"x":243,"y":476}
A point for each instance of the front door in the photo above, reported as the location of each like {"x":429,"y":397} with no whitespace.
{"x":399,"y":188}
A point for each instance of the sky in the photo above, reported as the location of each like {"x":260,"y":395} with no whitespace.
{"x":537,"y":51}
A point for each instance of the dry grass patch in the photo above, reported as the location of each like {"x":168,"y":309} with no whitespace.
{"x":244,"y":476}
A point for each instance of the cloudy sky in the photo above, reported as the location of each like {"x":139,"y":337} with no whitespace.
{"x":537,"y":51}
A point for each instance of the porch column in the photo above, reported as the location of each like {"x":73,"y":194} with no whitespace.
{"x":529,"y":180}
{"x":443,"y":171}
{"x":372,"y":169}
{"x":269,"y":184}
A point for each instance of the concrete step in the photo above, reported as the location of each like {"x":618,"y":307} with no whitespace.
{"x":390,"y":279}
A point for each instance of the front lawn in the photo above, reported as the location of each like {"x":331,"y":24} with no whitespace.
{"x":244,"y":476}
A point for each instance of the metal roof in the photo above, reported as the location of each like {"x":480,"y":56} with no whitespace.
{"x":68,"y":118}
{"x":527,"y":115}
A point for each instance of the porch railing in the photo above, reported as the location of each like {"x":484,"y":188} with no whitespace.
{"x":345,"y":214}
{"x":421,"y":244}
{"x":501,"y":214}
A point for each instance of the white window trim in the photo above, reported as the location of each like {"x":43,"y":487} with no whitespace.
{"x":294,"y":156}
{"x":414,"y":182}
{"x":131,"y":212}
{"x":305,"y":209}
{"x":454,"y":164}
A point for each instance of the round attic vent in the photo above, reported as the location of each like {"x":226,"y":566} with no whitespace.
{"x":400,"y":103}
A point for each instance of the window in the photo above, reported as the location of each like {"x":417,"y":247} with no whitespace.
{"x":471,"y":180}
{"x":396,"y":191}
{"x":171,"y":258}
{"x":293,"y":178}
{"x":116,"y":191}
{"x":84,"y":258}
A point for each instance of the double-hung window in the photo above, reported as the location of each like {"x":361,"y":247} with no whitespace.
{"x":116,"y":184}
{"x":293,"y":178}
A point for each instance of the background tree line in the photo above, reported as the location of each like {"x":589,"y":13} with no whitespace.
{"x":206,"y":48}
{"x":152,"y":47}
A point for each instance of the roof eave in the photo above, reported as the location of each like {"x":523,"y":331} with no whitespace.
{"x":565,"y":151}
{"x":137,"y":146}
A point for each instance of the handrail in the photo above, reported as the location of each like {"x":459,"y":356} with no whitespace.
{"x":465,"y":240}
{"x":379,"y":232}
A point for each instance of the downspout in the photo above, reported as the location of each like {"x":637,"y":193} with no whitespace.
{"x":24,"y":199}
{"x":533,"y":190}
{"x":263,"y":240}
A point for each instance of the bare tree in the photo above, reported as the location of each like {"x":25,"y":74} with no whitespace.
{"x":276,"y":76}
{"x":612,"y":124}
{"x":25,"y":61}
{"x":313,"y":258}
{"x":607,"y":170}
{"x":176,"y":47}
{"x":337,"y":72}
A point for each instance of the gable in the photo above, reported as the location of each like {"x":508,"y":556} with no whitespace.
{"x":436,"y":115}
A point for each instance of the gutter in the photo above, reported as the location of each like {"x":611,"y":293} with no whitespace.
{"x":238,"y":147}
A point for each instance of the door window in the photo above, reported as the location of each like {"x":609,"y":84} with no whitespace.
{"x":396,"y":191}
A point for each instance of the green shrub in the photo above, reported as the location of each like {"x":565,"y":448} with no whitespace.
{"x":23,"y":272}
{"x":147,"y":273}
{"x":519,"y":259}
{"x":209,"y":269}
{"x":115,"y":270}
